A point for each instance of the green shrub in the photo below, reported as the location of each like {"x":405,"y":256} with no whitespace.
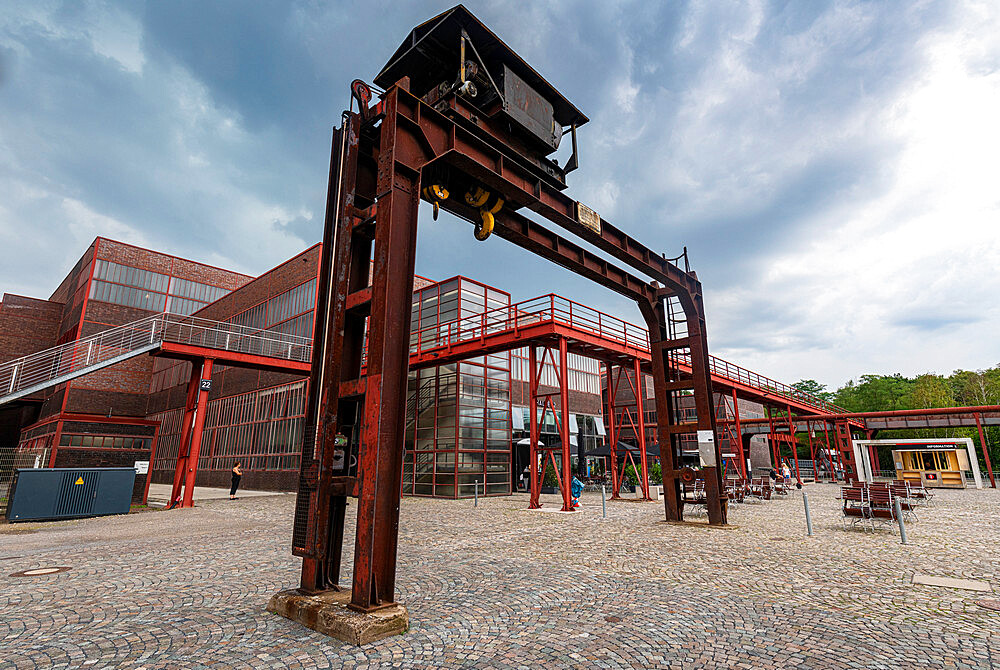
{"x":550,"y":478}
{"x":655,"y":473}
{"x":630,"y":475}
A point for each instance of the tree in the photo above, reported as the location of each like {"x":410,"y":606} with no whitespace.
{"x":813,"y":388}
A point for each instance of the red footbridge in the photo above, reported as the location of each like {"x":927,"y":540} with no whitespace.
{"x":545,"y":322}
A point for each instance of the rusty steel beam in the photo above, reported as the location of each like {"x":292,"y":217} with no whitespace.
{"x":381,"y":460}
{"x":471,"y":152}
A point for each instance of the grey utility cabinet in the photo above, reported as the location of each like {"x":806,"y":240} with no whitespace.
{"x":68,"y":493}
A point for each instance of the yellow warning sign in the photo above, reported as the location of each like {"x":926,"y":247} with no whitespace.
{"x":79,"y":481}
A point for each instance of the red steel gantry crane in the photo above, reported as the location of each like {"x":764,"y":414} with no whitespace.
{"x":467,"y":125}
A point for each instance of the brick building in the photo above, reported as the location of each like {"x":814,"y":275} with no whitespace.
{"x":464,"y":419}
{"x":99,"y":420}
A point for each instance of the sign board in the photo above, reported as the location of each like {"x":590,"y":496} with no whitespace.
{"x":706,"y":449}
{"x":141,"y":467}
{"x":206,"y":385}
{"x":340,"y":440}
{"x":588,"y":218}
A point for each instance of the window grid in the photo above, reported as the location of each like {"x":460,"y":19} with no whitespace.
{"x":151,"y":291}
{"x":90,"y":441}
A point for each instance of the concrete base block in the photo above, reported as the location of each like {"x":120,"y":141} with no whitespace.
{"x":327,"y":613}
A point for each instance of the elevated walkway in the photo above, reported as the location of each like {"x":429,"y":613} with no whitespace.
{"x":163,"y":335}
{"x":543,"y":320}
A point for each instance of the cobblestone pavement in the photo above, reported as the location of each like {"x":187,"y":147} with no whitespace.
{"x":499,"y":586}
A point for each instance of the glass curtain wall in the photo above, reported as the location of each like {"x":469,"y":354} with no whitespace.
{"x":458,"y":430}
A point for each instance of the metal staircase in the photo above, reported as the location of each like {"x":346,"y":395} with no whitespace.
{"x":35,"y":372}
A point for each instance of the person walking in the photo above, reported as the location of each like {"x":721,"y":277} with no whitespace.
{"x":237,"y":474}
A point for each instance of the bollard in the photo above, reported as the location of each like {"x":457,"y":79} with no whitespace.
{"x":476,"y":495}
{"x":604,"y":504}
{"x":899,"y":519}
{"x":809,"y":523}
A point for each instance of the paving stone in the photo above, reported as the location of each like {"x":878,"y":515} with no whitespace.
{"x":968,"y":584}
{"x":496,"y":587}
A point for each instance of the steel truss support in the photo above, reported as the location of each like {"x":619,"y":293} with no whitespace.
{"x":812,"y":451}
{"x":739,"y":436}
{"x":194,"y":451}
{"x":185,"y":442}
{"x":845,"y":448}
{"x":772,"y":440}
{"x":676,"y":324}
{"x":632,"y":375}
{"x":193,"y":424}
{"x":536,"y":399}
{"x":985,"y":449}
{"x":794,"y":444}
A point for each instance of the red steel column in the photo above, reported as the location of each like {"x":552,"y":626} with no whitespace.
{"x":199,"y":424}
{"x":639,"y":392}
{"x":376,"y":539}
{"x":149,"y":472}
{"x":564,"y":424}
{"x":795,"y":445}
{"x":183,"y":446}
{"x":986,"y":450}
{"x":826,"y":437}
{"x":533,"y":428}
{"x":812,"y":451}
{"x":612,"y":436}
{"x":739,"y":436}
{"x":773,"y":439}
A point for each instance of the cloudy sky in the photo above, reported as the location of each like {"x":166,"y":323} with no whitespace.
{"x":832,"y":167}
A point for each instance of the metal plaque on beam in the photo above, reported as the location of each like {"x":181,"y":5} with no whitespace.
{"x":706,"y":449}
{"x":588,"y":217}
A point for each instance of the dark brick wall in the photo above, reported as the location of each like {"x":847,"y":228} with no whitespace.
{"x":27,"y":325}
{"x":579,"y":401}
{"x":289,"y":274}
{"x":227,"y":381}
{"x":12,"y":417}
{"x":126,"y":254}
{"x":122,"y":389}
{"x":101,"y":402}
{"x":100,"y":428}
{"x":105,"y":458}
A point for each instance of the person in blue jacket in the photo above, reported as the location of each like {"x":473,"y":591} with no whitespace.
{"x":576,"y":488}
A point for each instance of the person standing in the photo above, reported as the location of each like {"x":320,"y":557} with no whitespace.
{"x":237,"y":474}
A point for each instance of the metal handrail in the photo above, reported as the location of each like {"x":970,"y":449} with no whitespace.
{"x":86,"y":354}
{"x":551,"y":308}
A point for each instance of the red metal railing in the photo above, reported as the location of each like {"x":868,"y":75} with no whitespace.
{"x":551,"y":308}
